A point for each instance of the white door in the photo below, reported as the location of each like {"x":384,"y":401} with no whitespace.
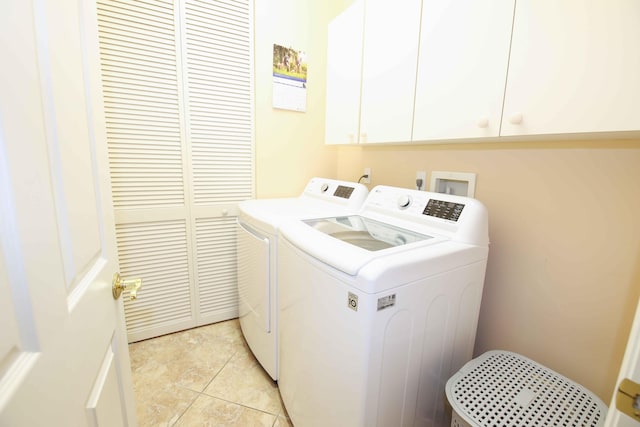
{"x":462,"y":68}
{"x":630,"y":369}
{"x":570,"y":70}
{"x":389,"y":64}
{"x":63,"y":352}
{"x":344,"y":74}
{"x":178,"y":96}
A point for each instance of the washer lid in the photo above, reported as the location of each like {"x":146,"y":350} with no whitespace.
{"x":365,"y":233}
{"x":269,"y":214}
{"x":321,"y":197}
{"x":348,"y":243}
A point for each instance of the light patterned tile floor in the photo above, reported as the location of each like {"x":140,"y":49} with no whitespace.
{"x":205,"y":376}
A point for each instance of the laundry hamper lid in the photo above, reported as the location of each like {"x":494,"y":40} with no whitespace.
{"x":501,"y":388}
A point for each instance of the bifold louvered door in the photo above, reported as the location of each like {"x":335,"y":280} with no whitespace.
{"x":178,"y":85}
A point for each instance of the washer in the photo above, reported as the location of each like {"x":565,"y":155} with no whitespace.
{"x":377,"y":310}
{"x":257,"y":230}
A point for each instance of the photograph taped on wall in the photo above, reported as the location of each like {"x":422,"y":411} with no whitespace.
{"x":289,"y":78}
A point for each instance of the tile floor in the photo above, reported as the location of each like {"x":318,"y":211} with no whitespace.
{"x":205,"y":376}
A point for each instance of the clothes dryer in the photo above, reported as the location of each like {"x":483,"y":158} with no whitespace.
{"x":257,"y":234}
{"x":378,"y":309}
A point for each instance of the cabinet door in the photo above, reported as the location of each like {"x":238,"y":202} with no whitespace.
{"x":574,"y":67}
{"x":391,"y":35}
{"x":344,"y":69}
{"x":464,"y":51}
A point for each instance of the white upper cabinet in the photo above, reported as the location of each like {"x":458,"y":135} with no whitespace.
{"x":436,"y":70}
{"x":574,"y":68}
{"x":344,"y":69}
{"x":464,"y":52}
{"x":390,"y":56}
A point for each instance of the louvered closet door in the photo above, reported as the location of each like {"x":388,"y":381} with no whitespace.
{"x":177,"y":82}
{"x":217,"y":41}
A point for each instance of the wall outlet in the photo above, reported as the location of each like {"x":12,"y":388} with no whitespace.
{"x":367,"y":179}
{"x":421,"y":180}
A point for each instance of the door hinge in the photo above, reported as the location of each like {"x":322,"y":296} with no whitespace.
{"x":628,"y":398}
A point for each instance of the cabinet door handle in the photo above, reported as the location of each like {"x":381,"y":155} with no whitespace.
{"x":483,"y":122}
{"x":515,"y":118}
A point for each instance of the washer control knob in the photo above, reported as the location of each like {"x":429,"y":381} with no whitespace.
{"x":404,"y":201}
{"x":324,"y":187}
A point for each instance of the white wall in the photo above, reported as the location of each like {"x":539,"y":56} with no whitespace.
{"x":290,"y":145}
{"x":563,"y":276}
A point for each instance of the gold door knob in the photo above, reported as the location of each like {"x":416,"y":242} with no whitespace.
{"x":120,"y":284}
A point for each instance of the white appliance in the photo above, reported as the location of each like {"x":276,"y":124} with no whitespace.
{"x":377,"y":310}
{"x":257,"y":231}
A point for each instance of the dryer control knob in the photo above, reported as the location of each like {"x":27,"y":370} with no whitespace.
{"x":404,"y":201}
{"x":324,"y":187}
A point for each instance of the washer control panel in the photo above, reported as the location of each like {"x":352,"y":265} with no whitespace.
{"x":343,"y":191}
{"x":462,"y":219}
{"x":350,"y":195}
{"x":416,"y":204}
{"x":441,"y":209}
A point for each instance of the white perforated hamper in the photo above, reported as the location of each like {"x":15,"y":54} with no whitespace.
{"x":504,"y":389}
